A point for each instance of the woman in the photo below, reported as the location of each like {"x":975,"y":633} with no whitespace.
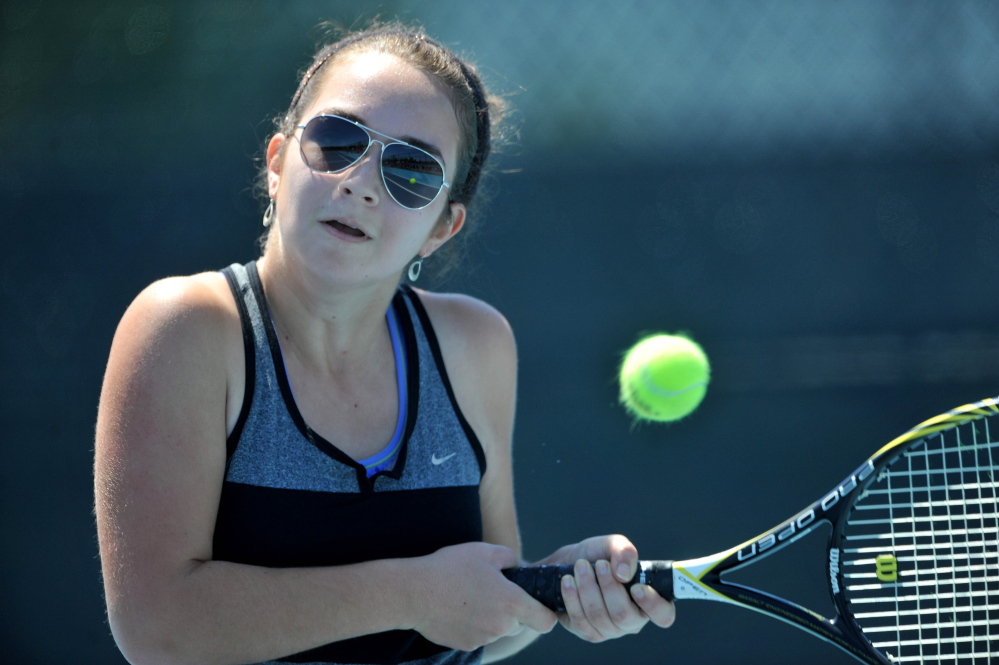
{"x":248,"y":506}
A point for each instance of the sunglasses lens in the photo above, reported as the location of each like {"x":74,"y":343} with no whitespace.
{"x":331,"y":144}
{"x":413,"y":177}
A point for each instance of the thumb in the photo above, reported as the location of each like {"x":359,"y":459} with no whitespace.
{"x":536,"y":616}
{"x":503,"y":557}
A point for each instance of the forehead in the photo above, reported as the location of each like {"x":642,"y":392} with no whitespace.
{"x":391,"y":96}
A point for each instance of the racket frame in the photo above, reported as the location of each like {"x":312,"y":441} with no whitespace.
{"x":701,"y":578}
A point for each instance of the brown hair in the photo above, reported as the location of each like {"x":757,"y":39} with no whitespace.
{"x":478,"y":113}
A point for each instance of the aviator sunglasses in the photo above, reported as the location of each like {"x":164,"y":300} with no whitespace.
{"x":412,"y":176}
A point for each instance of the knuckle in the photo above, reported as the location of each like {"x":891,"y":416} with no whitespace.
{"x":595,"y":609}
{"x":585,"y":632}
{"x":595,"y":637}
{"x":621,"y":542}
{"x":589,"y":579}
{"x":603,"y":625}
{"x":494,"y":631}
{"x":577,"y":616}
{"x":621,"y":617}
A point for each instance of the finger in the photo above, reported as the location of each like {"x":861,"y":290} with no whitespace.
{"x":574,"y":618}
{"x":592,"y":598}
{"x":503,"y":557}
{"x":626,"y":616}
{"x":659,"y":610}
{"x":623,"y":557}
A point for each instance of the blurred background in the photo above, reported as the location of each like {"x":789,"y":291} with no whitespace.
{"x":809,"y":189}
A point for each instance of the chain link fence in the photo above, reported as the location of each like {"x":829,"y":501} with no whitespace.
{"x":676,"y":80}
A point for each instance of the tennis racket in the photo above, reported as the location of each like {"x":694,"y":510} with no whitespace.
{"x":912,"y":561}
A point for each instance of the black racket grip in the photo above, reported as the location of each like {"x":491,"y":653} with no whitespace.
{"x":544,"y":583}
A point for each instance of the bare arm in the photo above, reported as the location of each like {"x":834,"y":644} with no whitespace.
{"x":481,"y":357}
{"x":160,"y":457}
{"x":479,"y":348}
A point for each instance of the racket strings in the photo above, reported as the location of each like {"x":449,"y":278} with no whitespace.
{"x":920,"y":551}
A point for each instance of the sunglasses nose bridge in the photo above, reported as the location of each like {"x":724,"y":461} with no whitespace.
{"x":377,"y":157}
{"x":381,"y":146}
{"x":361,"y":175}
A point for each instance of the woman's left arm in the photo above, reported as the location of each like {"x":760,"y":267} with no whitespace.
{"x":481,"y":357}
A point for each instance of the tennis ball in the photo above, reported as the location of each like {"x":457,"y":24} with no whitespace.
{"x":663,"y":378}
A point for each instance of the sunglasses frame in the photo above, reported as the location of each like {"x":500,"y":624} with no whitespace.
{"x":381,"y":159}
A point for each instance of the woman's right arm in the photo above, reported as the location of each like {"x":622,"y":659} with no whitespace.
{"x":159,"y":464}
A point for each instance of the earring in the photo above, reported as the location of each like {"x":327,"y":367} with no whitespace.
{"x":414,"y":269}
{"x":269,"y":213}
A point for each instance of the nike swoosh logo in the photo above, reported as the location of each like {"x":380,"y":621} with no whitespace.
{"x":440,"y":460}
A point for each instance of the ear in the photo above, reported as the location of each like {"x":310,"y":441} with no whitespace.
{"x":274,"y":157}
{"x":444,"y":232}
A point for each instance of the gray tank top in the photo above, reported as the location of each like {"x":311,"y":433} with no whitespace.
{"x":292,"y":498}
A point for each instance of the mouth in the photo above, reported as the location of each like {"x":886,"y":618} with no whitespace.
{"x":344,"y":228}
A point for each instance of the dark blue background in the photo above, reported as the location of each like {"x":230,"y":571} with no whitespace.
{"x":844,"y":292}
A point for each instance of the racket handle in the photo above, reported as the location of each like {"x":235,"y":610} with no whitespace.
{"x":544,"y":582}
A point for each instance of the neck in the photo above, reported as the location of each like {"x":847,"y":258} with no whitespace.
{"x":333,"y":329}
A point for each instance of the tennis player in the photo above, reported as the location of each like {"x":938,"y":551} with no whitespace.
{"x":303,"y":459}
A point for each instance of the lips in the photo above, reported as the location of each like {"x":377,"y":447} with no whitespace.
{"x":344,"y":228}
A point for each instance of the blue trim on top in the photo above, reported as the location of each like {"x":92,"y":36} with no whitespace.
{"x":387,"y":456}
{"x":365,"y":483}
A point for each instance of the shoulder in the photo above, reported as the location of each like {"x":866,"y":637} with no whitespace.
{"x":202,"y":300}
{"x":469,"y":328}
{"x":204,"y":294}
{"x":194,"y":316}
{"x":480,"y":356}
{"x":175,"y":364}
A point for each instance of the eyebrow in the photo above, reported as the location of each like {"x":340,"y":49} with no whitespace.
{"x":411,"y":140}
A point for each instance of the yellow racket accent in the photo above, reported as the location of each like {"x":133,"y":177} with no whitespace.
{"x":953,"y":418}
{"x":886,"y":567}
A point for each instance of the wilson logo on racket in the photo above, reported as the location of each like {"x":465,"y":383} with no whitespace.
{"x":834,"y":569}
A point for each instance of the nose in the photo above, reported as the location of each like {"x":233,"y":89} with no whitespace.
{"x":363,"y":177}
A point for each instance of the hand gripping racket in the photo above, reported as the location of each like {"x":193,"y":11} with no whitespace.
{"x":912,"y":562}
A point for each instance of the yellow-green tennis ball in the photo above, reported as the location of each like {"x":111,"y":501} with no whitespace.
{"x":664,"y":378}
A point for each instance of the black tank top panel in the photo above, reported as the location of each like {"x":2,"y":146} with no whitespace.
{"x":292,"y":498}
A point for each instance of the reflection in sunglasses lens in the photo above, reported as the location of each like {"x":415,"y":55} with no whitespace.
{"x":412,"y":175}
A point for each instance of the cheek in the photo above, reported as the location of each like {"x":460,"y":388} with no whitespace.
{"x":300,"y":187}
{"x":412,"y":232}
